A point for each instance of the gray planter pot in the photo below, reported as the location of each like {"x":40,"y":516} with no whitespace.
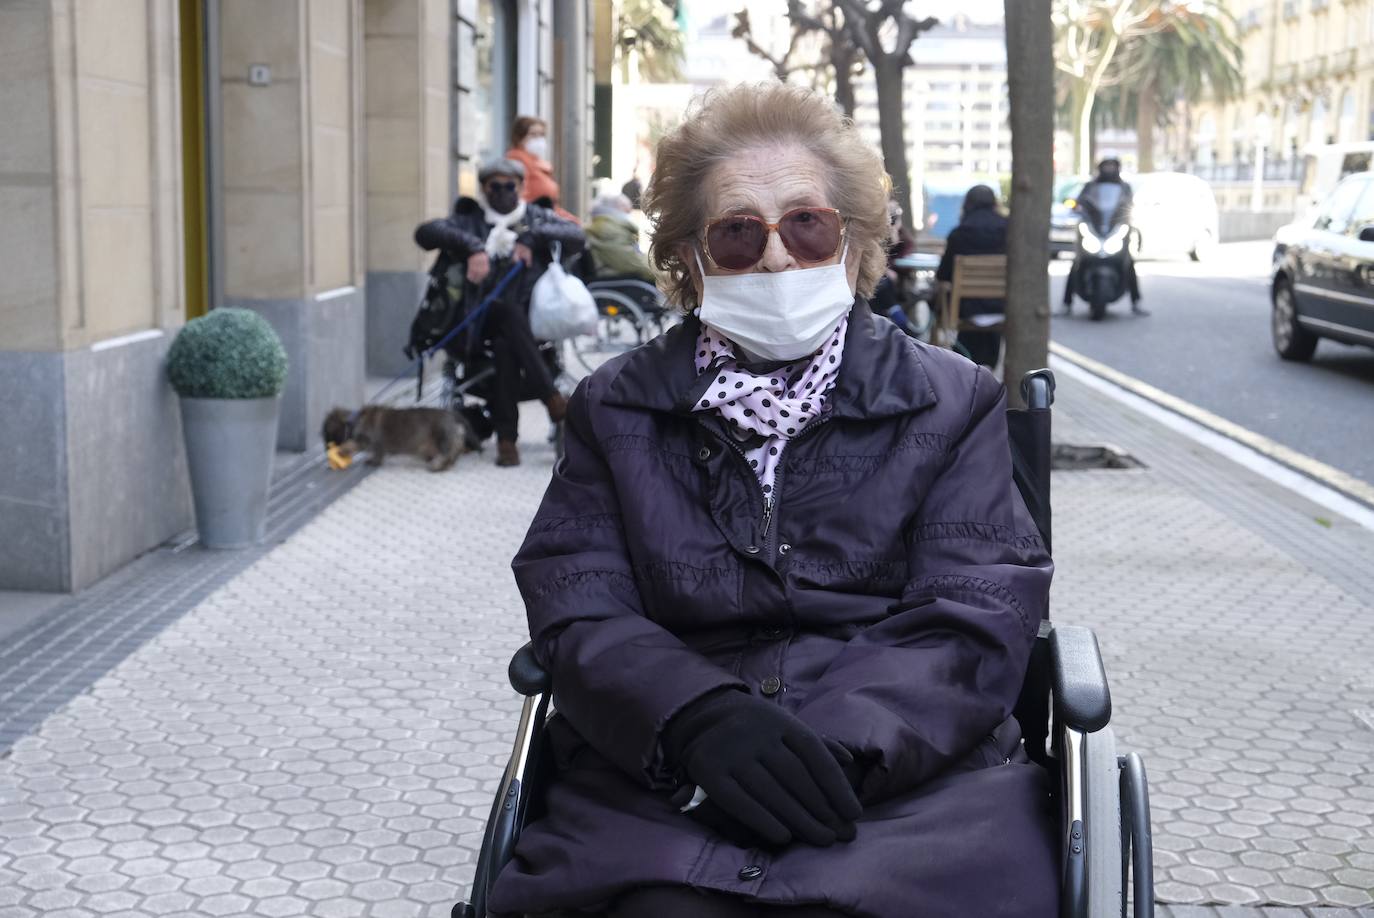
{"x":230,"y":444}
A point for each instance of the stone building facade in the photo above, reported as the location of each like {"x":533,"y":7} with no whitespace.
{"x":1309,"y":80}
{"x":164,"y":157}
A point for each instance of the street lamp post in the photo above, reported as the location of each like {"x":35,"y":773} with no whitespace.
{"x":1257,"y":179}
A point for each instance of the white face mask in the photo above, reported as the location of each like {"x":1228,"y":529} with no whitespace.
{"x":538,"y":146}
{"x":780,"y":315}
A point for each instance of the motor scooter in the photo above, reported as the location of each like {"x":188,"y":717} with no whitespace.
{"x":1102,"y":257}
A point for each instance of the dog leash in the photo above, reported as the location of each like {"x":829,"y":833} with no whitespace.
{"x":419,"y":360}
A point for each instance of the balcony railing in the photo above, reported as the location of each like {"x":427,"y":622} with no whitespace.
{"x":1345,"y":61}
{"x":1275,"y":170}
{"x":1315,"y":68}
{"x":1285,"y":74}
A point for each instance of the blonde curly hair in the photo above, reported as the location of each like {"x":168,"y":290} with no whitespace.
{"x":725,"y":122}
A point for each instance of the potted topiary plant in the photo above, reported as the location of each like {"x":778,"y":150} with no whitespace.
{"x":229,"y":368}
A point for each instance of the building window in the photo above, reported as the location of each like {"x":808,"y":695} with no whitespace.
{"x":1345,"y":128}
{"x":1371,"y":105}
{"x":1317,"y":130}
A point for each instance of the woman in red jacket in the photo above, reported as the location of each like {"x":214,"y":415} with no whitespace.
{"x":530,"y":147}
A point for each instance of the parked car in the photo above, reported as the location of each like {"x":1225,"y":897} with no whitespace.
{"x":1174,"y":214}
{"x":1323,"y":279}
{"x":1063,"y":217}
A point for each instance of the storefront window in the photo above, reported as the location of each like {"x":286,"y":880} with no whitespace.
{"x":493,"y":95}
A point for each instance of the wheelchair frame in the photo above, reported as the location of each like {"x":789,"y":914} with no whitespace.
{"x":1104,"y":798}
{"x":639,"y":304}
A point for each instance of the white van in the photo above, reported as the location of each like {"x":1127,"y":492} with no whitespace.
{"x":1173,"y":214}
{"x":1324,"y":165}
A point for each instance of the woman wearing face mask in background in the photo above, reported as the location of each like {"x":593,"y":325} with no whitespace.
{"x":782,"y":579}
{"x":529,"y":139}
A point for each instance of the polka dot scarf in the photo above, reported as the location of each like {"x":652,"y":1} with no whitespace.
{"x":774,"y":405}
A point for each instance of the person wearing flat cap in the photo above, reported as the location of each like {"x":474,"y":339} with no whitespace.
{"x":478,"y":243}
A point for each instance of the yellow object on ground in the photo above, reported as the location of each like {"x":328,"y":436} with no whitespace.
{"x":337,"y":460}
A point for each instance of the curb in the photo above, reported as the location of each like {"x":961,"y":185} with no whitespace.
{"x":1321,"y":483}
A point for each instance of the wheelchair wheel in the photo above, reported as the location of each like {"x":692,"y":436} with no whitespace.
{"x":1103,"y":805}
{"x":621,"y":326}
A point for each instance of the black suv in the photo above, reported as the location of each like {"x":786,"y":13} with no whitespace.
{"x":1324,"y":273}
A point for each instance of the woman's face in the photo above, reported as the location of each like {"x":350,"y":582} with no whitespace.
{"x":767,"y":182}
{"x":536,"y":130}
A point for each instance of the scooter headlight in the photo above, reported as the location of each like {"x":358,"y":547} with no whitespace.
{"x":1091,"y":244}
{"x":1116,"y":241}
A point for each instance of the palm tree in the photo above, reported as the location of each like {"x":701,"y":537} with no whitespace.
{"x":1182,"y":52}
{"x":1154,"y":50}
{"x":1088,"y":35}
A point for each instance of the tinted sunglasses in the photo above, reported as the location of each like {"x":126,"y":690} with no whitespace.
{"x":811,"y":234}
{"x":500,"y":186}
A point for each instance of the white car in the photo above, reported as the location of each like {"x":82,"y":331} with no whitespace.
{"x":1173,"y":214}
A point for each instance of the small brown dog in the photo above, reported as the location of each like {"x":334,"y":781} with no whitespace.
{"x":436,"y":436}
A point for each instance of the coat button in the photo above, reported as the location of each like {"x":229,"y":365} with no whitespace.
{"x":752,"y":872}
{"x":784,"y":548}
{"x":771,"y":686}
{"x":752,"y":549}
{"x":772,"y":634}
{"x":704,"y":454}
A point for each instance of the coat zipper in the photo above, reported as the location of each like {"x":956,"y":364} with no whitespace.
{"x":769,"y":504}
{"x":749,"y":472}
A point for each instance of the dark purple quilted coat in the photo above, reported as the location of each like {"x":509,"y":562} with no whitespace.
{"x":891,"y":603}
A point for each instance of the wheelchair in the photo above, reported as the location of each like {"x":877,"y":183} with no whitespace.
{"x":469,"y":372}
{"x":1064,"y":710}
{"x":631,"y":311}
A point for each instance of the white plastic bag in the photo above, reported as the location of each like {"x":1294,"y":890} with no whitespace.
{"x":561,"y":306}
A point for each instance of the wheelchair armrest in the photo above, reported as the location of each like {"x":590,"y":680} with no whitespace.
{"x":1081,"y":697}
{"x":526,"y":675}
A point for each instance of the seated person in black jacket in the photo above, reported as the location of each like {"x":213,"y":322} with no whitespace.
{"x":478,"y":244}
{"x":982,"y":230}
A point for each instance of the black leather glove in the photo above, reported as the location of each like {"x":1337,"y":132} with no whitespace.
{"x":765,"y":768}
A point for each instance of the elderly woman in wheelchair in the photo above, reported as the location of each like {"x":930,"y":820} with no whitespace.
{"x":782,"y":584}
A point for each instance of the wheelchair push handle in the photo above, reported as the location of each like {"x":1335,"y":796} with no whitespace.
{"x":1037,"y":389}
{"x":526,"y":675}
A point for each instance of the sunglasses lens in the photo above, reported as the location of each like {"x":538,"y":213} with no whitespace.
{"x":811,"y":234}
{"x":736,"y":242}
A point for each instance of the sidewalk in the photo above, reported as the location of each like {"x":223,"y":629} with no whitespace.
{"x":322,"y":734}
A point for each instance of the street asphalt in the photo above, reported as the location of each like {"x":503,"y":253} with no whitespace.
{"x":1207,"y":342}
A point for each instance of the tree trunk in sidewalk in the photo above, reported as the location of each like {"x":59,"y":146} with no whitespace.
{"x":1146,"y":115}
{"x":843,"y":62}
{"x":887,"y":73}
{"x":1030,"y":83}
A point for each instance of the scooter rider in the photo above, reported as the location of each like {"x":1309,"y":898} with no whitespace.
{"x":1109,"y":173}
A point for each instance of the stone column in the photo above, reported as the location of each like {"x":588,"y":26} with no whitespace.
{"x":290,"y":226}
{"x":90,"y":288}
{"x":572,"y":110}
{"x":406,"y":113}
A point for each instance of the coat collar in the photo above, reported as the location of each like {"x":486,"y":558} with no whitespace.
{"x":882,"y":373}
